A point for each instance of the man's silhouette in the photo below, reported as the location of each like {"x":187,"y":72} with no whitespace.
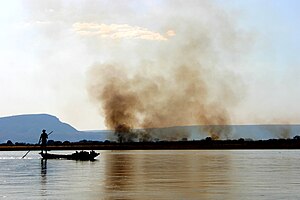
{"x":43,"y":140}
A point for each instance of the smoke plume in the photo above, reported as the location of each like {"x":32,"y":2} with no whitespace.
{"x":182,"y":80}
{"x":280,"y":131}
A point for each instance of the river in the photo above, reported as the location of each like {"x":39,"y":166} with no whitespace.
{"x":211,"y":174}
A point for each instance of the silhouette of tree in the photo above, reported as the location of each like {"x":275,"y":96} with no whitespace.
{"x":9,"y":142}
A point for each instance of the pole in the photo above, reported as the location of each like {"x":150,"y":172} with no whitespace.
{"x":50,"y":133}
{"x":30,"y":150}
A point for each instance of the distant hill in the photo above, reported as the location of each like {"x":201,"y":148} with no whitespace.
{"x":27,"y":128}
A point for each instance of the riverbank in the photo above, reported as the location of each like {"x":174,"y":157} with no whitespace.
{"x":202,"y":144}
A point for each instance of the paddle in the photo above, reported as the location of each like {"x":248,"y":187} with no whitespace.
{"x":50,"y":133}
{"x":38,"y":143}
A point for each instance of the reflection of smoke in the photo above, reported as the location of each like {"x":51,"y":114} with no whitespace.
{"x":136,"y":175}
{"x":119,"y":174}
{"x":181,"y":81}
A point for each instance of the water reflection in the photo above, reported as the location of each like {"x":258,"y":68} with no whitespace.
{"x":120,"y":174}
{"x":43,"y":177}
{"x":134,"y":175}
{"x":165,"y":175}
{"x":43,"y":168}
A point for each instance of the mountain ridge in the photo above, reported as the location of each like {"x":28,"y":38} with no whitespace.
{"x":27,"y":128}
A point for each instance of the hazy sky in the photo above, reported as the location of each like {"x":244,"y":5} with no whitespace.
{"x":47,"y":48}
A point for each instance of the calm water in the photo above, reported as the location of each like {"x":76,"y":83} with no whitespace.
{"x":154,"y":175}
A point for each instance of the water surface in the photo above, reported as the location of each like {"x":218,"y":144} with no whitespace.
{"x":245,"y":174}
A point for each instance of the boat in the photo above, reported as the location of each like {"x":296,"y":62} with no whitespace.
{"x":82,"y":155}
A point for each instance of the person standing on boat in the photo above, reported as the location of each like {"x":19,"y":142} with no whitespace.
{"x":43,"y":140}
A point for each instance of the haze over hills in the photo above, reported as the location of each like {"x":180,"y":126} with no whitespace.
{"x":253,"y":132}
{"x":27,"y":128}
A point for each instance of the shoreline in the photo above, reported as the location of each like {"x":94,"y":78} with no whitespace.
{"x":179,"y":145}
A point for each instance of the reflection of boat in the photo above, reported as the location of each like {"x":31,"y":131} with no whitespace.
{"x":82,"y":155}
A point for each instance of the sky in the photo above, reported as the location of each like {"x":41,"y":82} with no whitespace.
{"x":49,"y":47}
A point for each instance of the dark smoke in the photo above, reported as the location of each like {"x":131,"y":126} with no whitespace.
{"x":179,"y":82}
{"x":181,"y":98}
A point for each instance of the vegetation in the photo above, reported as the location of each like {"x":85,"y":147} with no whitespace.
{"x":207,"y":143}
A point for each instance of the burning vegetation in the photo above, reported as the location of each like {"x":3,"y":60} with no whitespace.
{"x":177,"y":82}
